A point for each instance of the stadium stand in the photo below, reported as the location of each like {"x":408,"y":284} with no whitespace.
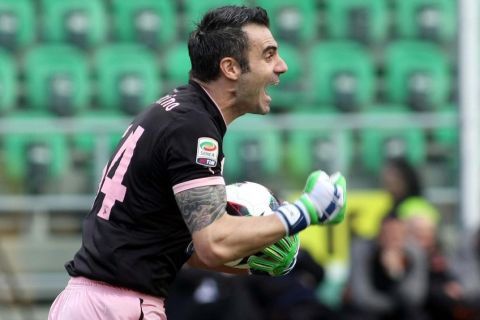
{"x":57,"y":79}
{"x":8,"y":82}
{"x":150,"y":22}
{"x":342,"y":74}
{"x":366,"y":21}
{"x":417,"y":74}
{"x":429,"y":20}
{"x":35,"y":159}
{"x":80,"y":22}
{"x":290,"y":92}
{"x":378,"y":144}
{"x":128,"y":77}
{"x":313,"y":147}
{"x":17,"y":24}
{"x":176,"y":65}
{"x":291,"y":20}
{"x":194,"y":10}
{"x":251,"y":152}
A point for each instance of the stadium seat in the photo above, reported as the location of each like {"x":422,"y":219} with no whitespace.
{"x":128,"y":77}
{"x":342,"y":74}
{"x":93,"y":148}
{"x":311,"y":147}
{"x":195,"y":9}
{"x":291,"y":90}
{"x":151,"y":22}
{"x":292,"y":20}
{"x":447,"y":136}
{"x":34,"y":158}
{"x":176,"y":65}
{"x":380,"y":143}
{"x":8,"y":82}
{"x":445,"y":150}
{"x":86,"y":141}
{"x":80,"y":22}
{"x":361,"y":20}
{"x":252,"y":148}
{"x":17,"y":23}
{"x":57,"y":79}
{"x":417,"y":74}
{"x":434,"y":20}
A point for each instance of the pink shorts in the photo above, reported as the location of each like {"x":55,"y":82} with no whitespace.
{"x":85,"y":299}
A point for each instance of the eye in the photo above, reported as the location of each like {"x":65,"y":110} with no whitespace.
{"x":269,"y":55}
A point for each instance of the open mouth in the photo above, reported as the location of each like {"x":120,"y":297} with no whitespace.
{"x":267,"y":88}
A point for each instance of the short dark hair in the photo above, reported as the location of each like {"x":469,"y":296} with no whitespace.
{"x":218,"y":35}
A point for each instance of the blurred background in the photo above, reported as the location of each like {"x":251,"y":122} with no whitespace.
{"x":373,"y":90}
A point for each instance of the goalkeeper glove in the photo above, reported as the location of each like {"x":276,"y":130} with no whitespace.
{"x":323,"y":202}
{"x":277,"y":259}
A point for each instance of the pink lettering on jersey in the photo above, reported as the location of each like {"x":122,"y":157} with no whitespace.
{"x":113,"y":188}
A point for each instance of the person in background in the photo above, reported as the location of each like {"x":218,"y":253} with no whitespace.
{"x":388,"y":276}
{"x":444,"y":290}
{"x":400,"y":179}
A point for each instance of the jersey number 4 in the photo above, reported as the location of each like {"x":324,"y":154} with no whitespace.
{"x":112,"y":187}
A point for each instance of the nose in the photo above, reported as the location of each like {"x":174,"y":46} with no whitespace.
{"x":281,"y":66}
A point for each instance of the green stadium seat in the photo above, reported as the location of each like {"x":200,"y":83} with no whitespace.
{"x":361,"y":20}
{"x":93,"y":148}
{"x":17,"y":23}
{"x":128,"y":77}
{"x":292,"y":88}
{"x":434,"y":20}
{"x":312,"y":147}
{"x":417,"y":74}
{"x":176,"y":65}
{"x":342,"y":74}
{"x":8,"y":82}
{"x":57,"y":79}
{"x":34,"y":158}
{"x":447,"y":136}
{"x":252,"y":148}
{"x":380,"y":143}
{"x":445,"y":146}
{"x":292,"y":20}
{"x":86,"y":141}
{"x":151,"y":22}
{"x":195,"y":9}
{"x":80,"y":22}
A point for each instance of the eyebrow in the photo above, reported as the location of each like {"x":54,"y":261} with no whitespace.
{"x":272,"y":47}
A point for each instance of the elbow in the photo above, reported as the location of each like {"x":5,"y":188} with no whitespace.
{"x":212,"y":255}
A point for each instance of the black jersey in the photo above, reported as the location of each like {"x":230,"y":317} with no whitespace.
{"x":135,"y":236}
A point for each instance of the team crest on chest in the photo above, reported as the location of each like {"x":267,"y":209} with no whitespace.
{"x":207,"y":152}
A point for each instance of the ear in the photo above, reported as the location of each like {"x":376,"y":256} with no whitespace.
{"x":230,"y":68}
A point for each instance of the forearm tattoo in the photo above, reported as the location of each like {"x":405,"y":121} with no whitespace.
{"x":201,"y":206}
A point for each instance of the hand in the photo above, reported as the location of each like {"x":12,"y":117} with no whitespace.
{"x":323,"y":202}
{"x":325,"y":198}
{"x":277,"y":259}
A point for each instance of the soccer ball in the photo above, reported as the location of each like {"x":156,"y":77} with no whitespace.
{"x":249,"y":199}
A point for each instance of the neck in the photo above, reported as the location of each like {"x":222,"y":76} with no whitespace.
{"x":223,"y":95}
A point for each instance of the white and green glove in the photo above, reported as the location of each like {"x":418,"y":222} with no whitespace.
{"x":324,"y":201}
{"x":277,"y":259}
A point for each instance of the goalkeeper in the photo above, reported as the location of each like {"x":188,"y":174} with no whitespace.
{"x":163,"y":186}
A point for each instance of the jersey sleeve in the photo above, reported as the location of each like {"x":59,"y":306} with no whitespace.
{"x":193,"y":153}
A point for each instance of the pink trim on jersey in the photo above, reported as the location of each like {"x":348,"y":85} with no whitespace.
{"x":202,"y":182}
{"x":215,"y":103}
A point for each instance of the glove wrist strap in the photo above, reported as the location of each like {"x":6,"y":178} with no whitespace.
{"x":294,"y":217}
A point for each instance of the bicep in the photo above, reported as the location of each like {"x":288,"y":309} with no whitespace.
{"x":201,"y":206}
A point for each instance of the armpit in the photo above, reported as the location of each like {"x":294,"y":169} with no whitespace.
{"x":202,"y":205}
